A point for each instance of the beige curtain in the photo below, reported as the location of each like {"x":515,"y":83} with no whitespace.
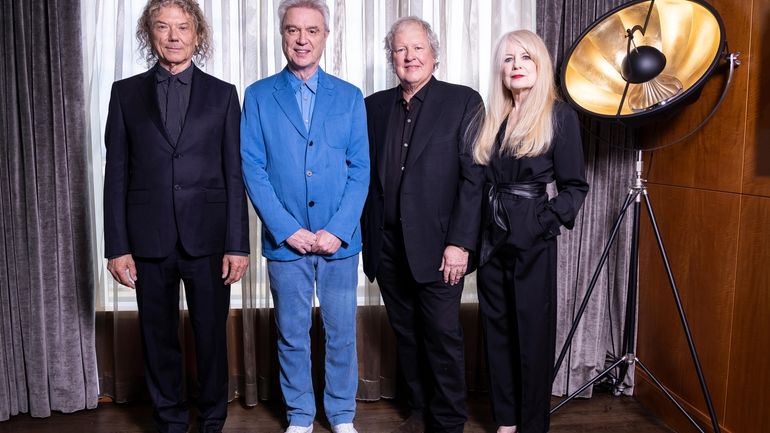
{"x":247,"y":48}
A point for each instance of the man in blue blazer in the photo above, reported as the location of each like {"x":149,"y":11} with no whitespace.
{"x":175,"y":208}
{"x":306,"y":166}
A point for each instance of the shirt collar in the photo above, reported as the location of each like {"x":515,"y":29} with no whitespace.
{"x":420,"y":95}
{"x":184,"y":77}
{"x":311,"y":83}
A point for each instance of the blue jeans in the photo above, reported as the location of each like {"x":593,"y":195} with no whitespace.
{"x":335,"y":282}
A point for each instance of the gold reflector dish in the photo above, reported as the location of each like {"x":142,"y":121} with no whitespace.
{"x":689,"y":33}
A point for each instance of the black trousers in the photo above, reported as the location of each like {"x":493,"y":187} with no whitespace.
{"x":426,"y":321}
{"x":517,"y":298}
{"x":208,"y":300}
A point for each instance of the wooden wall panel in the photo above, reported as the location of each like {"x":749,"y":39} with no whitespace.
{"x":725,"y":280}
{"x":757,"y":161}
{"x":700,"y":232}
{"x":649,"y":395}
{"x":748,"y":393}
{"x":712,"y":158}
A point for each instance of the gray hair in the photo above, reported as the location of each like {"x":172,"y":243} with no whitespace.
{"x":319,"y":5}
{"x":144,"y":29}
{"x":396,"y":27}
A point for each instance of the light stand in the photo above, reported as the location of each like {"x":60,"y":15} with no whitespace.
{"x":636,"y":193}
{"x":635,"y":62}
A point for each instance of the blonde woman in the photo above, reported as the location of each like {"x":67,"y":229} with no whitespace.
{"x":527,"y":139}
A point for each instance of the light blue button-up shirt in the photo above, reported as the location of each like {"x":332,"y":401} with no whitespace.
{"x":305,"y":92}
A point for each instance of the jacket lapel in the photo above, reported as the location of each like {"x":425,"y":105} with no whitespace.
{"x":323,"y":102}
{"x":430,"y":115}
{"x":384,"y":130}
{"x":150,"y":101}
{"x":284,"y":95}
{"x":196,"y":108}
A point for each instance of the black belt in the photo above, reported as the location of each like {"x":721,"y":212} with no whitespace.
{"x":527,"y":190}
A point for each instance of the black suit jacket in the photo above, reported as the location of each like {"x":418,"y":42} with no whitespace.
{"x":440,"y":197}
{"x":156,"y":193}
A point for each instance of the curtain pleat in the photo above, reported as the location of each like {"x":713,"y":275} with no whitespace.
{"x":259,"y":343}
{"x":47,"y":359}
{"x":609,"y":171}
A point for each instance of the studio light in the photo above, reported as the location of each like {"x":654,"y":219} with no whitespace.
{"x":643,"y":57}
{"x":634,"y":63}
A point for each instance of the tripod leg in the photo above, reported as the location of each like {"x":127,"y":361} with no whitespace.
{"x":596,"y":378}
{"x":630,"y":198}
{"x":668,"y":394}
{"x":682,"y":317}
{"x":629,"y":321}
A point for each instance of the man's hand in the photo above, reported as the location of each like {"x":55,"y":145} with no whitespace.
{"x":327,"y":243}
{"x":302,"y":241}
{"x":454,"y":264}
{"x":233,"y":267}
{"x":123,"y":270}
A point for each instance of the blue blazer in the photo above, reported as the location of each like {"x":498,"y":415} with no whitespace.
{"x":299,"y":179}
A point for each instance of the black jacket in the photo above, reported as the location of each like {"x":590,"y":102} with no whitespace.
{"x":155,"y":193}
{"x":528,"y":220}
{"x":440,"y":196}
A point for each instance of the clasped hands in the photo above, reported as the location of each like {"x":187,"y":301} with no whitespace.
{"x":321,"y":242}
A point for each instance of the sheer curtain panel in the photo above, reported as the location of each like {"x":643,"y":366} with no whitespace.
{"x":47,"y":356}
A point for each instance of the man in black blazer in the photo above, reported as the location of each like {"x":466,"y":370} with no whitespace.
{"x":175,"y":208}
{"x":421,"y":221}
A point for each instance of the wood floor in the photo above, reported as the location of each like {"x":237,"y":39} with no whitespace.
{"x":600,"y":414}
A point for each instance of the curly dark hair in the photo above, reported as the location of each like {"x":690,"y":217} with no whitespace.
{"x":144,"y":29}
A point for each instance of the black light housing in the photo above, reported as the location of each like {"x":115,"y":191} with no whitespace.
{"x":642,"y":64}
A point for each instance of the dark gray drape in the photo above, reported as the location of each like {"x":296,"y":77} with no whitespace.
{"x":609,"y":170}
{"x":47,"y":356}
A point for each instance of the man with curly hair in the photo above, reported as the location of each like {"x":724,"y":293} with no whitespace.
{"x":175,"y":207}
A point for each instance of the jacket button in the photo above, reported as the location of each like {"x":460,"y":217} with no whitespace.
{"x":177,"y":155}
{"x":311,"y":203}
{"x":309,"y":173}
{"x":310,"y":144}
{"x":177,"y":187}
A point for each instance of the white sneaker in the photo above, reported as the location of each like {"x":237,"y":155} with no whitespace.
{"x":344,"y":428}
{"x":299,"y":429}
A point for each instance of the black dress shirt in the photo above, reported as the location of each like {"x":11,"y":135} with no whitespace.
{"x":173,"y":98}
{"x":402,"y":122}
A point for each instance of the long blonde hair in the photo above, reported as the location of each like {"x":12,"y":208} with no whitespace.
{"x":531,"y":134}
